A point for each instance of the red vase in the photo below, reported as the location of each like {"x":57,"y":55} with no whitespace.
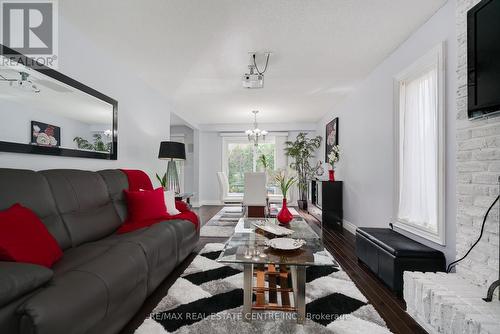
{"x":331,"y":175}
{"x":284,"y":216}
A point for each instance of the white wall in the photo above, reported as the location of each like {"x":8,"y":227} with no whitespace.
{"x":189,"y":170}
{"x":210,"y":153}
{"x":143,"y":114}
{"x":367,"y":135}
{"x":15,"y":124}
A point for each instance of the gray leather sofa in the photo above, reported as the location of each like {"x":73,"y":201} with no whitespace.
{"x":103,"y":278}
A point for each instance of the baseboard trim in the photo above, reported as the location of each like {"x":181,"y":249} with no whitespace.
{"x":349,"y":227}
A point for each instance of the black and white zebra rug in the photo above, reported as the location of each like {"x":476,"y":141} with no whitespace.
{"x":208,"y":299}
{"x":223,"y":223}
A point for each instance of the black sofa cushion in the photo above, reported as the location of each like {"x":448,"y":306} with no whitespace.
{"x":17,"y":279}
{"x":89,"y":292}
{"x":153,"y":240}
{"x":397,"y":244}
{"x":117,"y":182}
{"x":31,"y":190}
{"x":84,"y":204}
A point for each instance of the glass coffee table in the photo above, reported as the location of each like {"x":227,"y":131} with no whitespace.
{"x":273,"y":268}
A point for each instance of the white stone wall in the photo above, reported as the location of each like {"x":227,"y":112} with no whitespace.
{"x":448,"y":304}
{"x":478,"y":169}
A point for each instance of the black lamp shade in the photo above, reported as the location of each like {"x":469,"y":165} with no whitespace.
{"x":172,"y":150}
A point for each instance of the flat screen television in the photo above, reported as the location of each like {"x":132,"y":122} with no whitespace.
{"x":483,"y":58}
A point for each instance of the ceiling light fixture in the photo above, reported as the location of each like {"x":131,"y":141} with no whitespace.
{"x":255,"y":77}
{"x":255,"y":134}
{"x":24,"y":83}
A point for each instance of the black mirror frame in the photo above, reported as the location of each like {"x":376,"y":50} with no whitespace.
{"x":58,"y":151}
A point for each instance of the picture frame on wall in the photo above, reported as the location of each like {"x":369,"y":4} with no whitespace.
{"x":331,"y":136}
{"x":43,"y":134}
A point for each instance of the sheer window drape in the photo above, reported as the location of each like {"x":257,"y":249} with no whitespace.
{"x":418,"y":152}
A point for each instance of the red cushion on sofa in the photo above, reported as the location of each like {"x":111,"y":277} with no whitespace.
{"x":145,"y":205}
{"x":24,"y":238}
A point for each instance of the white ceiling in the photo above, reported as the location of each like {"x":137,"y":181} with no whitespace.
{"x":195,"y":51}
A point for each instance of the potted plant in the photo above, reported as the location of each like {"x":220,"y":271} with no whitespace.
{"x":301,"y":151}
{"x":284,"y":182}
{"x":98,"y":145}
{"x":333,"y":158}
{"x":264,"y":161}
{"x":162,"y":180}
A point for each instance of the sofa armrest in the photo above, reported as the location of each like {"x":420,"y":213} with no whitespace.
{"x":17,"y":279}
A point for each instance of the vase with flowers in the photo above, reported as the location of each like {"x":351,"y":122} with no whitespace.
{"x":333,"y":158}
{"x":285,"y":182}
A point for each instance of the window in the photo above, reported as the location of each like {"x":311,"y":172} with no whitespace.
{"x":240,"y":156}
{"x":239,"y":162}
{"x":420,"y":148}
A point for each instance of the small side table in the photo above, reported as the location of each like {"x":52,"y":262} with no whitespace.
{"x":186,"y":197}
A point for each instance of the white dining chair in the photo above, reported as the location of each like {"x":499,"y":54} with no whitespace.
{"x":254,"y":196}
{"x":225,"y":196}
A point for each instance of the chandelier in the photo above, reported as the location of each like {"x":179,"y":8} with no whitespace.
{"x":255,"y":134}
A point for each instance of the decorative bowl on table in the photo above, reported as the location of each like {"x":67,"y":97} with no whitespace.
{"x":285,"y":243}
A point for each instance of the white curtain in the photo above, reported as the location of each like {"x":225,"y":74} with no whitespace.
{"x":281,"y":158}
{"x":282,"y":162}
{"x":418,"y":151}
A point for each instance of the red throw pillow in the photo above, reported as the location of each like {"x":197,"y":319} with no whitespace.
{"x":145,"y":205}
{"x":24,"y":238}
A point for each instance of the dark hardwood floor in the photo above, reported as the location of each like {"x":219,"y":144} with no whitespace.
{"x":340,"y":244}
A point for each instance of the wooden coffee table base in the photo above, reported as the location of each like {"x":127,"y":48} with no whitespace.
{"x":274,"y":277}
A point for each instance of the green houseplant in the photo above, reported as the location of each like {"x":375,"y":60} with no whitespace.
{"x":98,"y":145}
{"x":301,"y":151}
{"x":162,"y":180}
{"x":264,"y":161}
{"x":284,"y":182}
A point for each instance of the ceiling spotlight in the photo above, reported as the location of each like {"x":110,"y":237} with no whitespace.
{"x":24,"y":83}
{"x":255,"y":78}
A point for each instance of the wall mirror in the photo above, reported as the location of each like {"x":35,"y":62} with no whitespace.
{"x":45,"y":112}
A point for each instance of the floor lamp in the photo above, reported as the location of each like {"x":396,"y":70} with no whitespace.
{"x":172,"y":151}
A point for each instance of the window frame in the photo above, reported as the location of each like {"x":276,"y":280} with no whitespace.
{"x":432,"y":59}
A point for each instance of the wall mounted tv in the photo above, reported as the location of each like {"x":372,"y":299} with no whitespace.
{"x":483,"y":58}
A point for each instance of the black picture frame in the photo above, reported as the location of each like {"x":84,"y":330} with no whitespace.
{"x":52,"y":132}
{"x":331,"y":132}
{"x":13,"y":147}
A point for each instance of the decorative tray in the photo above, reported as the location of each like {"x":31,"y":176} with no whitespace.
{"x":275,"y":229}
